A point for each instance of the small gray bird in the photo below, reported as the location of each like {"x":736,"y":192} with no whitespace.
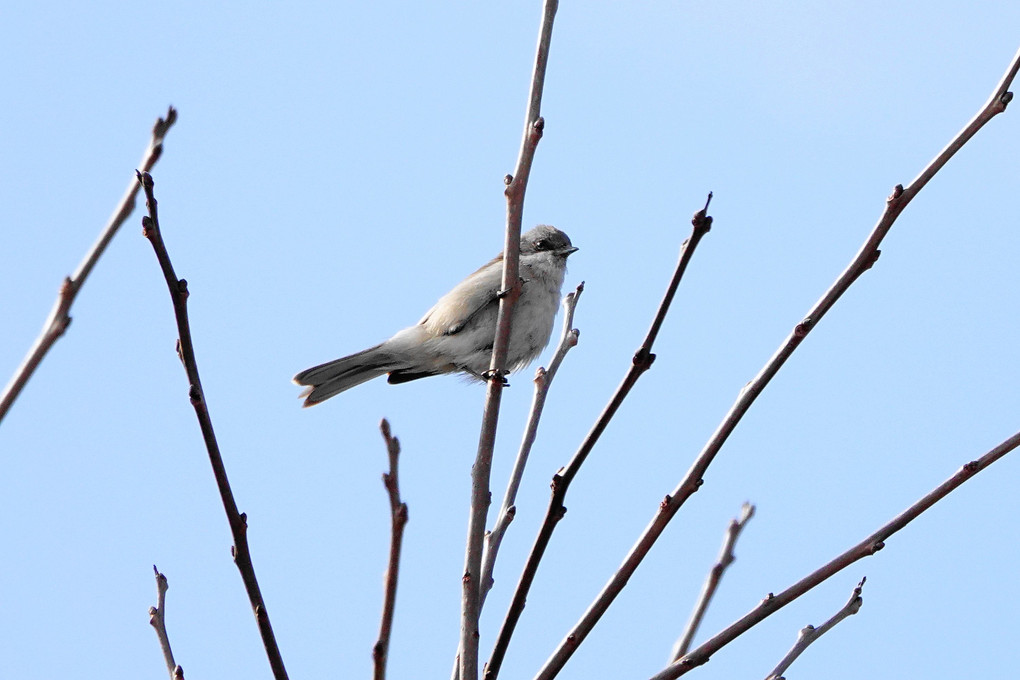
{"x":457,"y":334}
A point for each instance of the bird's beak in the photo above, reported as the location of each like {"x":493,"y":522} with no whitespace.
{"x":563,"y":252}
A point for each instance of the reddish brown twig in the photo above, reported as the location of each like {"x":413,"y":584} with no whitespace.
{"x":808,"y":634}
{"x":398,"y":520}
{"x":641,"y":362}
{"x":480,"y":471}
{"x":186,"y":351}
{"x":866,"y":548}
{"x":863,"y":261}
{"x":157,"y":619}
{"x":60,"y":315}
{"x":726,"y":558}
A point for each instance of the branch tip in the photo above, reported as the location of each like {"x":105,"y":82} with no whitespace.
{"x":163,"y":124}
{"x":60,"y":319}
{"x":746,"y":512}
{"x":702,"y":221}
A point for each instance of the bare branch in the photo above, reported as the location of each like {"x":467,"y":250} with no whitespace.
{"x":726,"y":558}
{"x":866,"y":548}
{"x":398,"y":520}
{"x":809,"y":633}
{"x":157,"y":619}
{"x":60,"y":317}
{"x":511,"y":286}
{"x":543,"y":380}
{"x":641,"y":362}
{"x":863,"y":261}
{"x":186,"y":351}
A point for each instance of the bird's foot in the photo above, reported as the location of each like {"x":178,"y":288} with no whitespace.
{"x":500,"y":294}
{"x":496,"y":374}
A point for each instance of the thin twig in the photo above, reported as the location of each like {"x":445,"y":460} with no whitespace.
{"x":543,"y":380}
{"x":511,"y":287}
{"x":866,"y":548}
{"x":60,"y":317}
{"x":726,"y":558}
{"x":641,"y":362}
{"x":863,"y":261}
{"x":398,"y":520}
{"x":186,"y":351}
{"x":157,"y":619}
{"x":809,"y":633}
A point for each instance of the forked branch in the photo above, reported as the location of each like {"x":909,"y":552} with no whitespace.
{"x":60,"y":316}
{"x":640,"y":363}
{"x":869,"y":546}
{"x":863,"y":261}
{"x":186,"y":351}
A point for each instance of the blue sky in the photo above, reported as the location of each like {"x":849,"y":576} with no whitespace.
{"x":338,"y":166}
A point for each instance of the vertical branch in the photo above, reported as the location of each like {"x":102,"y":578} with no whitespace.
{"x":511,"y":287}
{"x":726,"y":558}
{"x":60,"y":317}
{"x":543,"y":380}
{"x":865,"y":258}
{"x":641,"y":362}
{"x":186,"y":351}
{"x":398,"y":520}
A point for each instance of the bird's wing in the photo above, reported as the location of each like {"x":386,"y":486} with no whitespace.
{"x":466,"y":301}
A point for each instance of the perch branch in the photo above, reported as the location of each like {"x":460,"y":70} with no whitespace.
{"x":641,"y":362}
{"x":157,"y":619}
{"x":809,"y":633}
{"x":726,"y":558}
{"x":398,"y":520}
{"x":60,"y":316}
{"x":543,"y":379}
{"x":863,"y":261}
{"x":511,"y":285}
{"x":866,"y":548}
{"x":186,"y":351}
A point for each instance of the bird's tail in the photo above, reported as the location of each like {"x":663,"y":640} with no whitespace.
{"x":333,"y":377}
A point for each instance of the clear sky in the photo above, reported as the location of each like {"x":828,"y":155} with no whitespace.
{"x":338,"y":166}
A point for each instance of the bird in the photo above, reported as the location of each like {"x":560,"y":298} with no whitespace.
{"x":457,"y":334}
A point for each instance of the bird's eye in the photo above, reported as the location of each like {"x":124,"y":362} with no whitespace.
{"x":543,"y":244}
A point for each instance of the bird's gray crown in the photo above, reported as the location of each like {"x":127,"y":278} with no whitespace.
{"x":546,"y":238}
